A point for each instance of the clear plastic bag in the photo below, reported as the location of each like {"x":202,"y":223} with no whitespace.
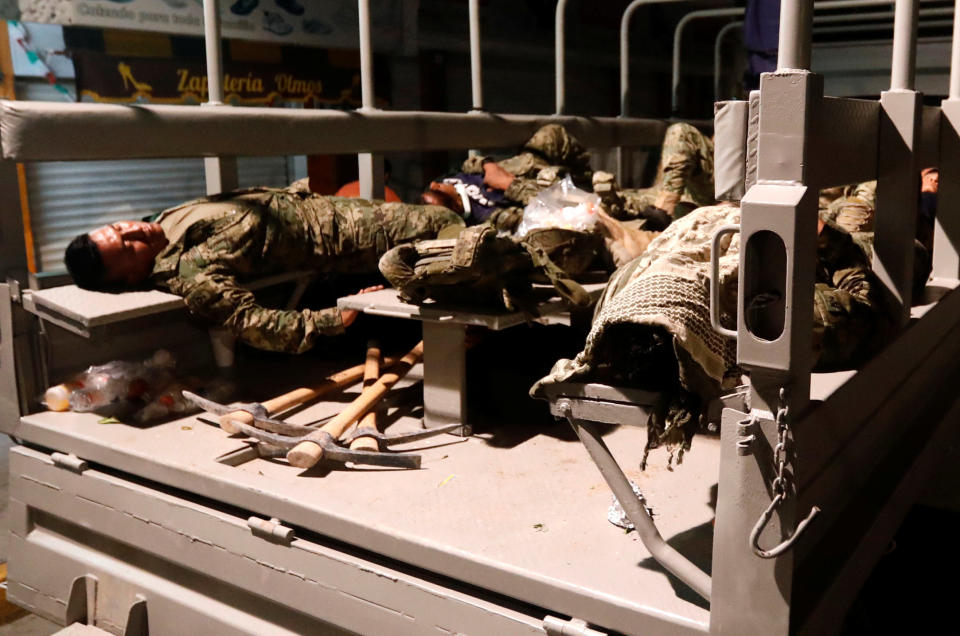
{"x":562,"y":205}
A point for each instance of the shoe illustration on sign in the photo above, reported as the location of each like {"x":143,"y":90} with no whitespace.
{"x":317,"y":27}
{"x":127,"y":75}
{"x":244,"y":7}
{"x":290,"y":6}
{"x":275,"y":23}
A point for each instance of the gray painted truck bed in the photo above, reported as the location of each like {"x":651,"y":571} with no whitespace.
{"x":524,"y":519}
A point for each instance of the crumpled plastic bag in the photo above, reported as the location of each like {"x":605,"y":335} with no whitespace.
{"x":562,"y":205}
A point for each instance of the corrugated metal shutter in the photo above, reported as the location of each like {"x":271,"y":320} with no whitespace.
{"x":69,"y":198}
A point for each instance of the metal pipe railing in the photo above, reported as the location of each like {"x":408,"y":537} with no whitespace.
{"x":625,"y":50}
{"x":716,"y":56}
{"x":827,"y":19}
{"x":796,"y":24}
{"x":559,"y":55}
{"x":476,"y":78}
{"x":904,"y":58}
{"x":955,"y":55}
{"x":214,"y":50}
{"x":367,"y":98}
{"x":867,"y":27}
{"x":677,"y":36}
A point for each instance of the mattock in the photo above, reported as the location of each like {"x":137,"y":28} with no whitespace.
{"x":257,"y":413}
{"x":323,"y":442}
{"x":364,"y":437}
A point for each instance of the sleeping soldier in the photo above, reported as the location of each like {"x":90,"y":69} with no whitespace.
{"x":202,"y":249}
{"x":495,"y":192}
{"x":652,"y":325}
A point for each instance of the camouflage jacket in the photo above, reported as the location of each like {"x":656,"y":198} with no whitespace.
{"x":217,"y":242}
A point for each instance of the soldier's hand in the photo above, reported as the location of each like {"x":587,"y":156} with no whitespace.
{"x":348,"y":316}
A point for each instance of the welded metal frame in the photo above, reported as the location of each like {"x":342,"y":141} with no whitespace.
{"x":828,"y":441}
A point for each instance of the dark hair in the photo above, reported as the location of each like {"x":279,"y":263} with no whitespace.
{"x":84,"y":263}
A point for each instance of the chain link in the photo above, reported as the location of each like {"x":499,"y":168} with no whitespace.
{"x":779,"y":488}
{"x":780,"y":451}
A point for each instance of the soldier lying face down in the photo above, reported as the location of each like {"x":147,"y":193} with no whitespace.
{"x":202,"y":249}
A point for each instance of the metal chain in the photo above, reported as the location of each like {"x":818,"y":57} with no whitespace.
{"x":779,"y":488}
{"x":780,"y":451}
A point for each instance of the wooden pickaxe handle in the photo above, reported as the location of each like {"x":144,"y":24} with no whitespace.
{"x":293,"y":398}
{"x":307,"y":453}
{"x":371,"y":374}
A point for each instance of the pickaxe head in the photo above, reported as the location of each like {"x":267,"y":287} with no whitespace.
{"x":261,"y":418}
{"x":384,"y":440}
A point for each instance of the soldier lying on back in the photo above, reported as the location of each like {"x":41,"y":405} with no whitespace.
{"x":201,"y":249}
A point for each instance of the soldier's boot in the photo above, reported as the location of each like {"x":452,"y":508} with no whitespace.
{"x":606,"y":187}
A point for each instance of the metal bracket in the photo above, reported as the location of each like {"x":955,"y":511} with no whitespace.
{"x":69,"y":462}
{"x":554,"y":626}
{"x":271,"y":530}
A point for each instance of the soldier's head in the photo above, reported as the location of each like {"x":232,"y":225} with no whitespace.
{"x":119,"y":254}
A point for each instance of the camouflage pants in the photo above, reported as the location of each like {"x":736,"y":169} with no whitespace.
{"x":362,"y":231}
{"x":685,"y":173}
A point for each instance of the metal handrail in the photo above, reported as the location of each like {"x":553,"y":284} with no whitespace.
{"x":625,"y":50}
{"x":677,"y":36}
{"x":716,"y":56}
{"x":823,"y":19}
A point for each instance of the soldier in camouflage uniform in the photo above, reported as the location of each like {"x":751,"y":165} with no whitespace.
{"x":685,"y":173}
{"x":549,"y":155}
{"x":201,"y":249}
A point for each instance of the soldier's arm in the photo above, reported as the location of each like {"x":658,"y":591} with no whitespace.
{"x":216,"y":296}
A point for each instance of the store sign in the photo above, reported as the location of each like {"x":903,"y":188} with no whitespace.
{"x":105,"y":78}
{"x":324,"y":23}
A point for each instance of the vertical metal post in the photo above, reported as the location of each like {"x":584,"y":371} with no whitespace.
{"x":778,"y":235}
{"x":946,"y":237}
{"x":795,"y":26}
{"x":716,"y":56}
{"x":476,"y":76}
{"x":560,"y":60}
{"x":904,"y":58}
{"x":370,"y":166}
{"x":366,"y":56}
{"x":898,"y":182}
{"x":220,"y":172}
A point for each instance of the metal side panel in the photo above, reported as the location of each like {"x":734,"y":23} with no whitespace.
{"x":845,"y":141}
{"x":197,"y":567}
{"x":487,"y":515}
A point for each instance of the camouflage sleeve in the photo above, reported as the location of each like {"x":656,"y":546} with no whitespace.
{"x":216,"y":296}
{"x":847,"y":317}
{"x":522,"y":190}
{"x":474,"y":164}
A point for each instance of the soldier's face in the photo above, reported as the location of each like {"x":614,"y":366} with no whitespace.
{"x":128,"y":249}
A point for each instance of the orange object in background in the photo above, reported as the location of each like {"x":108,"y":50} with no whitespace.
{"x":352,"y":189}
